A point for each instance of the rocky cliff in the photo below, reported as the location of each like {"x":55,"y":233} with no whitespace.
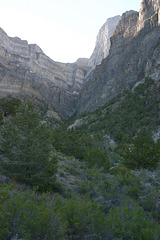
{"x":134,"y":55}
{"x":25,"y":71}
{"x":102,"y":46}
{"x":130,"y":46}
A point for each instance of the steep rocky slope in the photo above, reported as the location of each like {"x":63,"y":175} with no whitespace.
{"x":134,"y":55}
{"x":102,"y":46}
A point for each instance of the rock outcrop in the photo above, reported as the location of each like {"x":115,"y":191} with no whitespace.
{"x":25,"y":71}
{"x":134,"y":55}
{"x":149,"y":10}
{"x":102,"y":46}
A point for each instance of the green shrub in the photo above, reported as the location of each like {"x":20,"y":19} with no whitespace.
{"x":72,"y":170}
{"x":9,"y":105}
{"x":128,"y":179}
{"x":144,"y":153}
{"x":5,"y":197}
{"x":122,"y":184}
{"x":96,"y":158}
{"x":87,"y":187}
{"x":83,"y":217}
{"x":130,"y":222}
{"x":68,"y":142}
{"x":29,"y":216}
{"x":1,"y":117}
{"x":120,"y":169}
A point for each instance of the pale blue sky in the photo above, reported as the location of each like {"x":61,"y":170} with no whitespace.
{"x":64,"y":29}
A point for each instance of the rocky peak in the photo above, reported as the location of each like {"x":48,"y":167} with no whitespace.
{"x":125,"y":29}
{"x":134,"y":55}
{"x":102,"y":46}
{"x":149,"y":13}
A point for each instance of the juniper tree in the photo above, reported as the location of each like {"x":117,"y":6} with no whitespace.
{"x":26,"y":149}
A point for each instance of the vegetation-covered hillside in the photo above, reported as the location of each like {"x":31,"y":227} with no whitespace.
{"x":126,"y":114}
{"x":95,"y":177}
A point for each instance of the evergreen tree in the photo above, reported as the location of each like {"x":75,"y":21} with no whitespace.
{"x":96,"y":158}
{"x":27,"y":151}
{"x":143,"y":153}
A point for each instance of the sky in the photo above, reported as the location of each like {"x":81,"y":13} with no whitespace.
{"x":64,"y":29}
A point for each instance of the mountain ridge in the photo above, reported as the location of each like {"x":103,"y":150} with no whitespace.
{"x":134,"y":55}
{"x":102,"y":46}
{"x":26,"y":70}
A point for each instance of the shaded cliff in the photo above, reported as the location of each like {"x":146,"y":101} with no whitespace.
{"x":134,"y":55}
{"x":25,"y":71}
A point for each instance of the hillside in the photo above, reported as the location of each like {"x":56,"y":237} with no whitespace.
{"x":124,"y":115}
{"x":103,"y":177}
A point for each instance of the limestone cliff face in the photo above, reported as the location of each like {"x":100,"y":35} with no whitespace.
{"x":26,"y":71}
{"x":134,"y":55}
{"x":149,"y":12}
{"x":102,"y":47}
{"x":130,"y":46}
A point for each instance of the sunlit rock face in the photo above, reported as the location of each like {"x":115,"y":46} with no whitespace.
{"x":102,"y":46}
{"x":134,"y":55}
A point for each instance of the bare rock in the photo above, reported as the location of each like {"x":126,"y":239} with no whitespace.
{"x":127,"y":51}
{"x":134,"y":55}
{"x":102,"y":47}
{"x":26,"y":71}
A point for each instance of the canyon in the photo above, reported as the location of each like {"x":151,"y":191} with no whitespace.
{"x":127,"y":51}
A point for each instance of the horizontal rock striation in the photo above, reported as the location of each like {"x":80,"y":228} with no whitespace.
{"x":134,"y":55}
{"x":127,"y":51}
{"x":25,"y":71}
